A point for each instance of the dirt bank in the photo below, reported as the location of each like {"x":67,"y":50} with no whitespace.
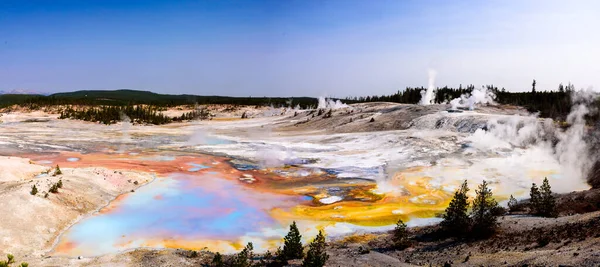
{"x":34,"y":222}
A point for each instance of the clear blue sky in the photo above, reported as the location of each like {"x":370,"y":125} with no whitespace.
{"x":295,"y":48}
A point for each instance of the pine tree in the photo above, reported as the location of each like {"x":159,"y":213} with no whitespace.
{"x":512,"y":203}
{"x":535,"y":199}
{"x":242,"y":258}
{"x":456,"y":220}
{"x":400,"y":237}
{"x":34,"y":190}
{"x":316,"y":255}
{"x":547,"y":207}
{"x":217,"y":260}
{"x":292,"y":248}
{"x":484,"y":221}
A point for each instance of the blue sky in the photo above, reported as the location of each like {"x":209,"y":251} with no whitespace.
{"x":296,"y":48}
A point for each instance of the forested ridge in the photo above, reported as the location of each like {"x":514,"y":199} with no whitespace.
{"x":555,"y":104}
{"x":145,"y":107}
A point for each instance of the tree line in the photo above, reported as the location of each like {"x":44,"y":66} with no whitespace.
{"x":135,"y":97}
{"x":555,"y":104}
{"x":138,"y":114}
{"x":315,"y":256}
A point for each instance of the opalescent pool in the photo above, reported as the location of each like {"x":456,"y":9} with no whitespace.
{"x":180,"y":208}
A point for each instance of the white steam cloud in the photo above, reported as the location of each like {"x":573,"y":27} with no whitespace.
{"x":568,"y":147}
{"x":427,"y":95}
{"x":478,"y":96}
{"x":125,"y":138}
{"x":326,"y":103}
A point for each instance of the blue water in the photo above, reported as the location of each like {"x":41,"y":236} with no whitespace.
{"x":181,"y":207}
{"x":197,"y":167}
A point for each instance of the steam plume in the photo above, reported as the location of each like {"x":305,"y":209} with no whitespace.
{"x":326,"y":103}
{"x":427,"y":96}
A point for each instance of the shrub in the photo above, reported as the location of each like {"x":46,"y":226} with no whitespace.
{"x":10,"y":260}
{"x":400,"y":237}
{"x":292,"y":247}
{"x":279,"y":260}
{"x":316,"y":255}
{"x":46,"y":195}
{"x":372,"y":120}
{"x":217,"y":260}
{"x":512,"y":203}
{"x":456,"y":220}
{"x":34,"y":190}
{"x":484,"y":220}
{"x":57,"y":171}
{"x":266,"y":259}
{"x":54,"y":189}
{"x":59,"y":184}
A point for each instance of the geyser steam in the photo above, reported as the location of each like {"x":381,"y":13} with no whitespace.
{"x":427,"y":96}
{"x":326,"y":103}
{"x":125,"y":138}
{"x":478,"y":96}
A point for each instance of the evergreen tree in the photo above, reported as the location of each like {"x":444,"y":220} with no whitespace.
{"x":400,"y":237}
{"x":456,"y":220}
{"x":535,"y":199}
{"x":547,"y":206}
{"x":292,"y":248}
{"x":484,"y":221}
{"x":512,"y":203}
{"x":242,"y":258}
{"x":316,"y":255}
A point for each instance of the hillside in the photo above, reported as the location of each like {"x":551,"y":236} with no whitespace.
{"x":126,"y":96}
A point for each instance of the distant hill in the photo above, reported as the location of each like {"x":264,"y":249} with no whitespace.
{"x":20,"y":92}
{"x":132,"y":97}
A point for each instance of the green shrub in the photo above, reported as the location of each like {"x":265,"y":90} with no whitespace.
{"x":59,"y":184}
{"x":34,"y":190}
{"x":217,"y":260}
{"x":57,"y":171}
{"x":54,"y":189}
{"x":400,"y":237}
{"x":512,"y":203}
